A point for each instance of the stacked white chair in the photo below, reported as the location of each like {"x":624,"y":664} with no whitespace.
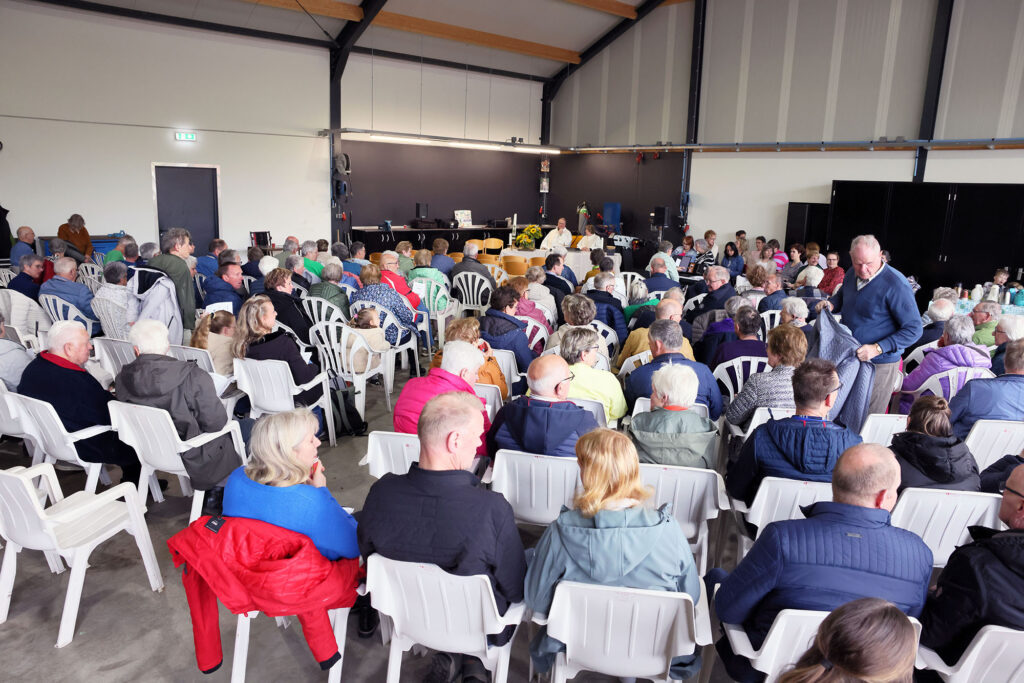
{"x":880,"y":428}
{"x":390,"y":452}
{"x":625,"y":632}
{"x":430,"y":607}
{"x":475,"y":291}
{"x":995,"y":654}
{"x":990,"y":440}
{"x":536,"y":486}
{"x":151,"y":432}
{"x":332,"y":341}
{"x":271,"y":389}
{"x":942,"y":517}
{"x":72,"y":527}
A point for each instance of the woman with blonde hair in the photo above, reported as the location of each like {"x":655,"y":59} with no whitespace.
{"x":867,"y":640}
{"x":215,"y":333}
{"x":468,"y":330}
{"x":610,"y":538}
{"x":284,"y":484}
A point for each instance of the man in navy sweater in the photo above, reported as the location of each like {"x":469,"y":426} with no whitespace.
{"x":878,"y":306}
{"x":666,"y":339}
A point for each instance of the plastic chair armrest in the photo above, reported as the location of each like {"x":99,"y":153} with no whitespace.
{"x":126,"y":491}
{"x":739,"y":506}
{"x":540,"y":619}
{"x":721,"y":495}
{"x":702,"y":620}
{"x":930,"y":659}
{"x":514,"y":614}
{"x":89,"y":432}
{"x":488,"y":475}
{"x":319,"y":379}
{"x":739,"y":641}
{"x":207,"y":437}
{"x":42,"y":470}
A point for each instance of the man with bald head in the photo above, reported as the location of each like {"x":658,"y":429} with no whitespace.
{"x":845,"y":549}
{"x":659,"y":281}
{"x":878,"y":306}
{"x":638,"y":340}
{"x":439,"y":513}
{"x":981,"y":583}
{"x":545,"y":422}
{"x":25,"y":245}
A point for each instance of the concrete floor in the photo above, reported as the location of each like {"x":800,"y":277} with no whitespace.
{"x":126,"y":632}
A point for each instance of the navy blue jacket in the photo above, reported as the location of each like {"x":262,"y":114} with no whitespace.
{"x":207,"y":266}
{"x":998,"y":398}
{"x":252,"y":269}
{"x":804,"y":448}
{"x":993,"y":477}
{"x":219,"y":291}
{"x":712,"y":302}
{"x":24,"y":284}
{"x":534,"y":425}
{"x":999,"y":359}
{"x":659,"y":282}
{"x":883,"y":312}
{"x":771,"y":302}
{"x":442,"y":262}
{"x":609,"y":312}
{"x":445,"y":517}
{"x":569,"y":275}
{"x":838,"y":554}
{"x":932,"y":332}
{"x":506,"y":332}
{"x":562,"y":285}
{"x":708,"y":393}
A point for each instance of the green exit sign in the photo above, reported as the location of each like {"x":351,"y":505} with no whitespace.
{"x":185,"y":137}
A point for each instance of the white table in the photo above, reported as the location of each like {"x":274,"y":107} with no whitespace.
{"x":578,"y":261}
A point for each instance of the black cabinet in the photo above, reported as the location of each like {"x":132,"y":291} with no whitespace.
{"x":942,"y":233}
{"x":806,"y":222}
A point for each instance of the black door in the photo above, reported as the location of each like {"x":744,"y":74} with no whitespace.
{"x":913,"y":236}
{"x":858,"y":208}
{"x":186,"y":197}
{"x":984,"y":232}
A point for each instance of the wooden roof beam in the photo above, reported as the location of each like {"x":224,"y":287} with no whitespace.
{"x":619,"y":9}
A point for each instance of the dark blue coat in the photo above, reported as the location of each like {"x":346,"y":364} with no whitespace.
{"x":771,"y":302}
{"x":609,"y":312}
{"x":712,"y":302}
{"x":931,"y":332}
{"x":734,"y":264}
{"x":252,"y":269}
{"x":506,"y":332}
{"x":219,"y":291}
{"x":993,"y":477}
{"x":998,"y":398}
{"x":838,"y":554}
{"x":804,"y":448}
{"x":708,"y":393}
{"x":534,"y":425}
{"x":442,"y":262}
{"x":659,"y":282}
{"x":24,"y":284}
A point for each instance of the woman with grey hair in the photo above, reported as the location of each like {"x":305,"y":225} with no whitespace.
{"x":794,"y":311}
{"x":1009,"y":328}
{"x":329,"y":288}
{"x":671,"y":433}
{"x":579,"y":347}
{"x":537,"y":292}
{"x":74,"y":233}
{"x":115,"y":290}
{"x":578,"y":311}
{"x":639,"y":296}
{"x":955,"y":350}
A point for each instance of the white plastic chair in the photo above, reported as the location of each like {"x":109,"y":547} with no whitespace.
{"x":643,"y":405}
{"x":625,"y":632}
{"x":321,"y":310}
{"x":917,"y":355}
{"x":271,"y":389}
{"x":109,"y":313}
{"x":741,"y":369}
{"x":760,"y":416}
{"x":433,"y":293}
{"x":507,"y":363}
{"x":880,"y":428}
{"x":200,"y":280}
{"x":491,"y":394}
{"x":696,"y":494}
{"x":791,"y":634}
{"x":995,"y":654}
{"x":475,"y":291}
{"x":497,"y":272}
{"x":633,"y":362}
{"x":247,"y":281}
{"x":151,"y":432}
{"x":189,"y":354}
{"x":58,"y":309}
{"x":548,"y":313}
{"x":941,"y":517}
{"x":536,"y":486}
{"x":389,"y":320}
{"x":302,"y":291}
{"x":692,"y":303}
{"x":769,"y":321}
{"x":742,"y":284}
{"x":430,"y":607}
{"x":595,"y":407}
{"x":948,"y":383}
{"x":608,"y":336}
{"x":628,"y":278}
{"x":339,"y":622}
{"x":40,"y":422}
{"x":114,"y":354}
{"x":6,"y":275}
{"x":534,"y":330}
{"x":390,"y":452}
{"x":305,"y":350}
{"x":331,"y":340}
{"x":990,"y":440}
{"x":779,"y":499}
{"x":72,"y":527}
{"x":90,"y":270}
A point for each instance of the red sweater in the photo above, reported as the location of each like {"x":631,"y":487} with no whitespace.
{"x":398,"y":283}
{"x":831,"y":279}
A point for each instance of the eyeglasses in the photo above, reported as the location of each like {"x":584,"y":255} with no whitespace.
{"x":1007,"y":488}
{"x":839,"y":388}
{"x":570,"y":378}
{"x":595,"y":347}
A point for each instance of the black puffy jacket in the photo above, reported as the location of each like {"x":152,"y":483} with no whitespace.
{"x":980,"y":586}
{"x":935,"y":462}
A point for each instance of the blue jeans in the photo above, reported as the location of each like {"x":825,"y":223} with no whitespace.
{"x":426,"y":338}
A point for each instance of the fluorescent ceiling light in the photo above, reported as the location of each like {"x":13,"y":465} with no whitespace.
{"x":403,"y":140}
{"x":476,"y":145}
{"x":534,"y":150}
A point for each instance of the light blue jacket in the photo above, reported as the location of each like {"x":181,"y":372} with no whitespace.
{"x":76,"y":294}
{"x":635,"y":548}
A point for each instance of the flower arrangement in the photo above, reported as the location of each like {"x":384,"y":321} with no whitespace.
{"x":528,"y":237}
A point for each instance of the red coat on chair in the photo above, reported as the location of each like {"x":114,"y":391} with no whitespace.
{"x":250,"y":565}
{"x":398,"y":283}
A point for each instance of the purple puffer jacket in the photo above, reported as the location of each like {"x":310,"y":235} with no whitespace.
{"x":940,"y":360}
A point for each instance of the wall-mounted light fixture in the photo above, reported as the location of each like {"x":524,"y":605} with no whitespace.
{"x":439,"y":141}
{"x":185,"y":136}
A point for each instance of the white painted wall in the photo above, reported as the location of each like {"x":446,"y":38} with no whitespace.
{"x":752,"y":191}
{"x":975,"y":166}
{"x":403,"y":97}
{"x":86,"y":112}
